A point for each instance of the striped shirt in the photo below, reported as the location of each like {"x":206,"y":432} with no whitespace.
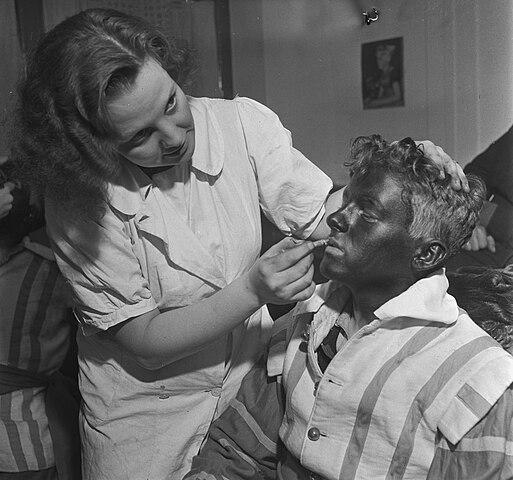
{"x":419,"y":391}
{"x":34,"y":336}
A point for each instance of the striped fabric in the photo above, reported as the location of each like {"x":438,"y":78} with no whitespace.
{"x":391,"y":404}
{"x":485,"y":452}
{"x":243,"y":443}
{"x":395,"y":383}
{"x":34,"y":336}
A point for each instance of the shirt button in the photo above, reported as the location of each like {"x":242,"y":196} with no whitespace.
{"x":306,"y":334}
{"x":314,"y":434}
{"x":163,"y":396}
{"x":215,"y":392}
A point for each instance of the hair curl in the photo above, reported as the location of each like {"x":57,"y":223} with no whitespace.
{"x":435,"y":209}
{"x":487,"y":296}
{"x":63,"y":145}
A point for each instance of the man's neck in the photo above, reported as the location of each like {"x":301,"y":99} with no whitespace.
{"x":367,"y":299}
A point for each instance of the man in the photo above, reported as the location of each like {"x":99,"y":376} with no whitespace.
{"x":379,"y":374}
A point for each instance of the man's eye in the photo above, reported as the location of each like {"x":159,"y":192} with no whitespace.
{"x":171,"y":104}
{"x":367,"y":216}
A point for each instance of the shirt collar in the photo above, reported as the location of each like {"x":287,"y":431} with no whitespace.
{"x":208,"y":156}
{"x":322,"y":293}
{"x":426,"y":300}
{"x":39,"y":243}
{"x":130,"y":190}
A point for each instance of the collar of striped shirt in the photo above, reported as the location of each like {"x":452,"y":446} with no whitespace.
{"x":426,"y":300}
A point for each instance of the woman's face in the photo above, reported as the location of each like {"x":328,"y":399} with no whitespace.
{"x":154,"y":120}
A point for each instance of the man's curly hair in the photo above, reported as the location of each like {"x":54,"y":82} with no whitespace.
{"x":63,"y":138}
{"x":435,"y":210}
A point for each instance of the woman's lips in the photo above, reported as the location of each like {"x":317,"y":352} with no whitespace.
{"x":173,"y":151}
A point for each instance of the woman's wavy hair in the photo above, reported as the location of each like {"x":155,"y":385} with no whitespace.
{"x":63,"y":138}
{"x":487,"y":295}
{"x":434,"y":209}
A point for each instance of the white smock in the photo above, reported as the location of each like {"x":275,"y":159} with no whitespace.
{"x":165,"y":243}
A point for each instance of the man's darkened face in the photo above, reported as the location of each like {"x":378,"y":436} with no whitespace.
{"x":369,"y":241}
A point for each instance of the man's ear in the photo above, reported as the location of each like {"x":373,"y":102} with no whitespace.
{"x":429,"y":255}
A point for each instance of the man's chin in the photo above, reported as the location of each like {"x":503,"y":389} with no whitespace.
{"x":328,"y":271}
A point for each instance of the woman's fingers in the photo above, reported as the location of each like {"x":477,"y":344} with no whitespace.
{"x":289,"y":251}
{"x":284,"y":273}
{"x":303,"y":288}
{"x":490,"y":243}
{"x":480,"y":240}
{"x":297,"y":286}
{"x":446,"y":164}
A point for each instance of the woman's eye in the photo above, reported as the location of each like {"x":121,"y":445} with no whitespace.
{"x":140,"y":137}
{"x":171,"y":104}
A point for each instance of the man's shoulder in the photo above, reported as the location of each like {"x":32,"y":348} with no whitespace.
{"x":485,"y":375}
{"x":466,"y":327}
{"x":484,"y":451}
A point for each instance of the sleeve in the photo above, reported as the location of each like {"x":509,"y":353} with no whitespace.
{"x":495,"y":166}
{"x":243,"y":442}
{"x":292,"y":190}
{"x":97,"y":260}
{"x":484,"y":452}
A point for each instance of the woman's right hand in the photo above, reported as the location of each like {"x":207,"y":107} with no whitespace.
{"x":284,"y":274}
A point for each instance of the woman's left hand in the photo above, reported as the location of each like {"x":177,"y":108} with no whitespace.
{"x":447,"y":165}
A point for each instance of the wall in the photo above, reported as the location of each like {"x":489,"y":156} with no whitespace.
{"x":248,"y":49}
{"x":9,"y":70}
{"x":458,"y":63}
{"x":302,"y":58}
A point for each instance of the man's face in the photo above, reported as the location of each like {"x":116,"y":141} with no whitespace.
{"x":369,"y":242}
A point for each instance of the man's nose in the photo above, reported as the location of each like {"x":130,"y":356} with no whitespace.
{"x":339,"y":220}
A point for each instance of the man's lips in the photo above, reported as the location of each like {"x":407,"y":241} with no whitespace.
{"x":334,"y":247}
{"x":333,"y":243}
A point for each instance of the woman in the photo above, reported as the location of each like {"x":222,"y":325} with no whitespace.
{"x":153,"y":204}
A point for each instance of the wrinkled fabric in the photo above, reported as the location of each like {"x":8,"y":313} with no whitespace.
{"x":168,"y":242}
{"x":34,"y":338}
{"x":421,"y":392}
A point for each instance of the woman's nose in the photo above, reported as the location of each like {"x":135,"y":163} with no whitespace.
{"x":169,"y":137}
{"x":338,"y":220}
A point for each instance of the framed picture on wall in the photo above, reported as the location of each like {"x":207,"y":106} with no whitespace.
{"x":382,"y":74}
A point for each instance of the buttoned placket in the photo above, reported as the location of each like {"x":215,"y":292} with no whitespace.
{"x":313,"y":433}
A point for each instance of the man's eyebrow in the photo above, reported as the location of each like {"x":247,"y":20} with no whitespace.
{"x":370,"y":199}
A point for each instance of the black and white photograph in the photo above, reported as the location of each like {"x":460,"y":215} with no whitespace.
{"x":256,"y":239}
{"x":382,"y":74}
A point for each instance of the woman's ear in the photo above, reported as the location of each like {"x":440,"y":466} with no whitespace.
{"x":428,"y":256}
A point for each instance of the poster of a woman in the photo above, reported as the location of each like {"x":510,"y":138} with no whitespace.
{"x":382,"y":73}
